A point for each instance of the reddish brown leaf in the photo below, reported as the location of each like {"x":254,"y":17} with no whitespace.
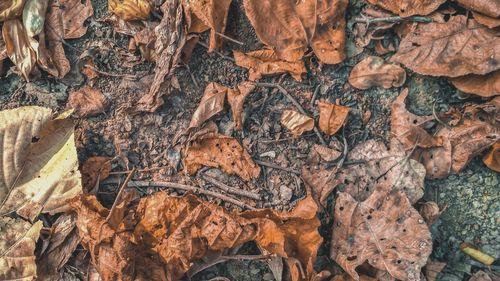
{"x":296,"y":122}
{"x":374,"y":71}
{"x":87,"y":101}
{"x":290,"y":27}
{"x":74,"y":14}
{"x":492,"y":158}
{"x":430,"y":212}
{"x":94,"y":170}
{"x":486,"y":20}
{"x":331,"y":117}
{"x":454,"y":48}
{"x":487,"y":7}
{"x":211,"y":103}
{"x":482,"y":85}
{"x":406,"y":8}
{"x":221,"y":152}
{"x":266,"y":62}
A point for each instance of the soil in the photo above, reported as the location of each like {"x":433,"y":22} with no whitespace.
{"x":146,"y":140}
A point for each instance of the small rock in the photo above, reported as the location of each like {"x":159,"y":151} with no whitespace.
{"x":271,"y":154}
{"x":286,"y":193}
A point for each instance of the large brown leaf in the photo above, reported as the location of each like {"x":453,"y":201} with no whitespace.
{"x":18,"y":46}
{"x":74,"y":14}
{"x":290,"y":27}
{"x":10,"y":9}
{"x":454,"y":48}
{"x":374,"y":71}
{"x":406,"y":8}
{"x":384,"y":230}
{"x":487,"y":7}
{"x":331,"y":116}
{"x":482,"y":85}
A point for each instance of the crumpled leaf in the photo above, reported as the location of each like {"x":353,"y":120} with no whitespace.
{"x":161,"y":236}
{"x":94,"y":170}
{"x":383,"y":230}
{"x":296,"y":122}
{"x":222,"y":152}
{"x":454,"y":48}
{"x":486,"y":20}
{"x":145,"y":40}
{"x":406,"y":8}
{"x":482,"y":85}
{"x":40,"y":164}
{"x":374,"y":71}
{"x":17,"y":248}
{"x":492,"y":158}
{"x":74,"y":14}
{"x":18,"y":46}
{"x":208,"y":14}
{"x":34,"y":16}
{"x":130,"y":9}
{"x":211,"y":103}
{"x":266,"y":62}
{"x":290,"y":27}
{"x":331,"y":117}
{"x":486,"y":7}
{"x":87,"y":102}
{"x":10,"y":9}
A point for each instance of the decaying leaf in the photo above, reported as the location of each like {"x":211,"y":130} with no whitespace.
{"x":236,"y":99}
{"x":486,"y":20}
{"x":331,"y":117}
{"x":432,"y":269}
{"x":430,"y":212}
{"x":364,"y":33}
{"x":492,"y":158}
{"x":161,"y":236}
{"x":94,"y":170}
{"x":87,"y":101}
{"x":482,"y":85}
{"x":481,"y":276}
{"x":406,"y":8}
{"x":374,"y":71}
{"x":18,"y":47}
{"x":383,"y":230}
{"x":221,"y":152}
{"x":326,"y":153}
{"x":454,"y":48}
{"x":34,"y":16}
{"x":290,"y":27}
{"x":486,"y":7}
{"x":211,"y":103}
{"x":10,"y":9}
{"x":266,"y":62}
{"x":130,"y":9}
{"x":296,"y":122}
{"x":74,"y":14}
{"x":40,"y":166}
{"x":17,"y":248}
{"x":208,"y":14}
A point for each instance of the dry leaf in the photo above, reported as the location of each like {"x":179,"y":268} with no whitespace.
{"x":374,"y":71}
{"x":384,"y":230}
{"x":290,"y":27}
{"x":430,"y":212}
{"x":130,"y":9}
{"x":326,"y":153}
{"x":331,"y":117}
{"x":145,"y":40}
{"x":160,"y":237}
{"x":486,"y":20}
{"x":10,"y":9}
{"x":34,"y":16}
{"x":40,"y":165}
{"x":406,"y":8}
{"x":364,"y":33}
{"x":3,"y":49}
{"x":236,"y":99}
{"x":74,"y":14}
{"x":221,"y":152}
{"x":87,"y":102}
{"x":266,"y":62}
{"x":480,"y":276}
{"x":486,"y":7}
{"x":211,"y":103}
{"x":208,"y":14}
{"x":432,"y":269}
{"x":18,"y":46}
{"x":94,"y":170}
{"x":482,"y":85}
{"x":17,"y":248}
{"x":492,"y":158}
{"x":454,"y":48}
{"x":296,"y":122}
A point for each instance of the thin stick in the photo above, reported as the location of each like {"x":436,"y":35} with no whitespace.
{"x":119,"y":195}
{"x":128,"y":76}
{"x":283,"y":139}
{"x":295,"y":103}
{"x":230,"y":189}
{"x":396,"y":19}
{"x":140,"y":170}
{"x":230,"y":39}
{"x":215,"y":51}
{"x":246,"y":257}
{"x":274,"y":166}
{"x":315,"y":94}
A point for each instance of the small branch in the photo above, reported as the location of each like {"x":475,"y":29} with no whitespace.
{"x":394,"y":19}
{"x":230,"y":189}
{"x":215,"y":51}
{"x":274,"y":166}
{"x":246,"y":257}
{"x":119,"y":195}
{"x":128,"y":76}
{"x":230,"y":39}
{"x":283,"y":139}
{"x":315,"y":94}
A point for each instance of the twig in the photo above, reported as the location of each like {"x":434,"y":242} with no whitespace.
{"x":295,"y":103}
{"x":437,"y":118}
{"x":395,"y":19}
{"x":246,"y":257}
{"x":140,"y":171}
{"x":274,"y":166}
{"x":119,"y":195}
{"x":283,"y":139}
{"x":192,"y":76}
{"x":230,"y":189}
{"x":215,"y":51}
{"x":315,"y":94}
{"x":230,"y":39}
{"x":128,"y":76}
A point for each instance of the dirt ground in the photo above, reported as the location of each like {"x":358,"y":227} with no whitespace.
{"x":146,"y":140}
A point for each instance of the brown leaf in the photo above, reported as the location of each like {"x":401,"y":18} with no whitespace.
{"x":454,"y":48}
{"x":3,"y":49}
{"x":430,"y":212}
{"x":296,"y":122}
{"x":10,"y":9}
{"x":486,"y":7}
{"x":482,"y":85}
{"x":384,"y":230}
{"x":326,"y":153}
{"x":406,"y":8}
{"x":408,"y":128}
{"x":213,"y":15}
{"x":374,"y":71}
{"x":432,"y":269}
{"x":364,"y":33}
{"x":492,"y":158}
{"x":94,"y":170}
{"x":221,"y":152}
{"x":74,"y":14}
{"x":236,"y":99}
{"x":331,"y":117}
{"x":290,"y":27}
{"x":486,"y":20}
{"x":211,"y":103}
{"x":18,"y":46}
{"x":130,"y":9}
{"x":87,"y":102}
{"x":481,"y":276}
{"x":266,"y":62}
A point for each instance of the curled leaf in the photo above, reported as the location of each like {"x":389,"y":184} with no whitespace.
{"x":374,"y":71}
{"x":486,"y":20}
{"x":18,"y":46}
{"x":482,"y":85}
{"x":296,"y":122}
{"x":492,"y":158}
{"x":34,"y":16}
{"x":130,"y":9}
{"x":430,"y":212}
{"x":266,"y":62}
{"x":331,"y":117}
{"x":211,"y":103}
{"x":10,"y":9}
{"x":406,"y":8}
{"x":486,"y":7}
{"x":454,"y":48}
{"x":94,"y":170}
{"x":290,"y":27}
{"x":87,"y":101}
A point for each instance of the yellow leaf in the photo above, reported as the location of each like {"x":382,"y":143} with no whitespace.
{"x":296,"y":122}
{"x":40,"y":164}
{"x":18,"y":47}
{"x":10,"y":9}
{"x":17,"y":247}
{"x":130,"y":9}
